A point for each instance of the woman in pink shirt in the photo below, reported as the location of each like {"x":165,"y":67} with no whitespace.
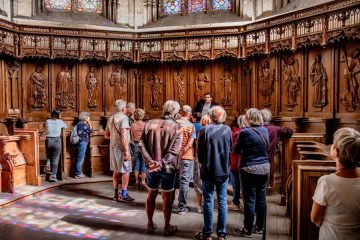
{"x":136,"y":130}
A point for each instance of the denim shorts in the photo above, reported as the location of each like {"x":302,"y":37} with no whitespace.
{"x":163,"y":180}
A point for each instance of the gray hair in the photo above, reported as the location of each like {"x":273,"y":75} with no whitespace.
{"x":130,"y":105}
{"x":254,"y":116}
{"x":120,"y":104}
{"x":241,"y":121}
{"x":186,"y":109}
{"x":170,"y":108}
{"x":217,"y":114}
{"x":347,"y":143}
{"x":266,"y":113}
{"x":83,"y":116}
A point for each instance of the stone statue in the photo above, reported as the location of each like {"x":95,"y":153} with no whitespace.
{"x":65,"y":89}
{"x":179,"y":86}
{"x":292,"y":80}
{"x":352,"y":76}
{"x":226,"y":79}
{"x":118,"y":81}
{"x":200,"y":83}
{"x":91,"y":82}
{"x":38,"y":89}
{"x":266,"y":82}
{"x":318,"y":78}
{"x":155,"y":88}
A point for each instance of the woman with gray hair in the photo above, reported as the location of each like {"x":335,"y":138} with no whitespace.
{"x":214,"y":146}
{"x":252,"y":143}
{"x":84,"y":129}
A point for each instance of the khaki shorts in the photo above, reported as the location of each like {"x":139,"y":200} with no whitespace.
{"x":117,"y":163}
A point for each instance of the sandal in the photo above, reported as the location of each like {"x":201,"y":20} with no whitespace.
{"x":170,"y":231}
{"x":202,"y":236}
{"x":150,"y":229}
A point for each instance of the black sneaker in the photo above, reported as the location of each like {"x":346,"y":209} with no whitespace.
{"x":243,"y":232}
{"x":126,"y":199}
{"x":257,"y":230}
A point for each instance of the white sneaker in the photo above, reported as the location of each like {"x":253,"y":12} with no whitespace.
{"x":233,"y":207}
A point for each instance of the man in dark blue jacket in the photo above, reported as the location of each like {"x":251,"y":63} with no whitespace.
{"x":203,"y":106}
{"x":214,"y":147}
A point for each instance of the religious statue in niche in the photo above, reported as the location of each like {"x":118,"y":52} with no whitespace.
{"x":91,"y":82}
{"x":200,"y":83}
{"x":65,"y":97}
{"x":352,"y":76}
{"x":292,"y":80}
{"x":226,"y":80}
{"x":319,"y":79}
{"x":118,"y":81}
{"x":179,"y":86}
{"x":38,"y":89}
{"x":267,"y":82}
{"x":13,"y":70}
{"x":155,"y":88}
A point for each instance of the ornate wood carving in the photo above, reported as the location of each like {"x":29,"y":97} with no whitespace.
{"x":155,"y":84}
{"x":179,"y":85}
{"x":351,"y":99}
{"x":291,"y":80}
{"x":65,"y":89}
{"x":201,"y":80}
{"x":38,"y":89}
{"x":319,"y":81}
{"x":13,"y":71}
{"x":119,"y":82}
{"x":266,"y":82}
{"x":91,"y":82}
{"x":226,"y":84}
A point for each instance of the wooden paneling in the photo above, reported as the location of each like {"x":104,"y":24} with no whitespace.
{"x":306,"y":174}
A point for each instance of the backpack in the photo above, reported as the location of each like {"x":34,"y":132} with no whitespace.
{"x":74,"y":137}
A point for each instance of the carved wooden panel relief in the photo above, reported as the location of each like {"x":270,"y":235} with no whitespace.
{"x":92,"y":85}
{"x":202,"y":79}
{"x":180,"y":85}
{"x":65,"y":90}
{"x":118,"y":83}
{"x":13,"y":84}
{"x":266,"y":82}
{"x":291,"y":81}
{"x":38,"y":90}
{"x":350,"y":78}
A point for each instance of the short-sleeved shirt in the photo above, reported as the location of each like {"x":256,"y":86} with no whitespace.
{"x":188,"y":133}
{"x":118,"y":120}
{"x":341,"y":196}
{"x":54,"y":126}
{"x":136,"y":130}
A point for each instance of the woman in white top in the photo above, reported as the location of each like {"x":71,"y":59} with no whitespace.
{"x":336,"y":206}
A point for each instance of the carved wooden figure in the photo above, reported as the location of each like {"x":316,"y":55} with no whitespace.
{"x":118,"y":81}
{"x":179,"y":86}
{"x":91,"y":82}
{"x":319,"y":81}
{"x":266,"y":82}
{"x":226,"y":80}
{"x":351,"y":98}
{"x":65,"y":94}
{"x":292,"y":80}
{"x":13,"y":70}
{"x":155,"y":87}
{"x":38,"y":89}
{"x":200,"y":83}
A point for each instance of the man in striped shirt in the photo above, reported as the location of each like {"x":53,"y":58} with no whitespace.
{"x":186,"y":156}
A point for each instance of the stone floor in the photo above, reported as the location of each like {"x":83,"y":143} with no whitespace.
{"x":85,"y":211}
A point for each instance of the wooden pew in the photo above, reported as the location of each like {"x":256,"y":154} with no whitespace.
{"x":290,"y":152}
{"x":306,"y":173}
{"x":19,"y":159}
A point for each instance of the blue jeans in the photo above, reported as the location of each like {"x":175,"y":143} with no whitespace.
{"x":139,"y":165}
{"x":254,"y":193}
{"x":235,"y":181}
{"x":186,"y":167}
{"x":81,"y":150}
{"x":208,"y":208}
